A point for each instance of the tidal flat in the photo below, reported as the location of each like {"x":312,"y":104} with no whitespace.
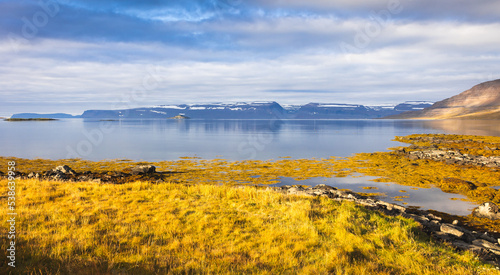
{"x":188,"y":218}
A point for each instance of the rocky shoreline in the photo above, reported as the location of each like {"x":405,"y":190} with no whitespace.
{"x":65,"y":173}
{"x":443,"y":228}
{"x":450,"y":155}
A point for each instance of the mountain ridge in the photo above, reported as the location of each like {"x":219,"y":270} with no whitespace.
{"x":259,"y":110}
{"x":482,"y":101}
{"x":243,"y":110}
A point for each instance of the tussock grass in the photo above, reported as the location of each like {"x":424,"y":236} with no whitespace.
{"x":145,"y":228}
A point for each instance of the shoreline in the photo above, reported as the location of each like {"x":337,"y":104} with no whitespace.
{"x":465,"y":165}
{"x":441,"y":227}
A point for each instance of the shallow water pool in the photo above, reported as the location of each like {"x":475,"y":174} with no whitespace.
{"x":408,"y":196}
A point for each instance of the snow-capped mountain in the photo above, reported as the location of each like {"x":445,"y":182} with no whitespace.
{"x":257,"y":110}
{"x":240,"y":110}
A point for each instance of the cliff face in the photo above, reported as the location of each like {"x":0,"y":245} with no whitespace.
{"x":480,"y":102}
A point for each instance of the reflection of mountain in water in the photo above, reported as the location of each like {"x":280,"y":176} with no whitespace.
{"x":465,"y":127}
{"x":166,"y":139}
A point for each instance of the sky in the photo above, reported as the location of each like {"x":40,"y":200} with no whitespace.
{"x":71,"y":56}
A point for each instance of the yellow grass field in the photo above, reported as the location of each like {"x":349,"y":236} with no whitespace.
{"x":171,"y":228}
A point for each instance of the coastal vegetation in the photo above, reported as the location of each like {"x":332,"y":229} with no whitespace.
{"x":191,"y":218}
{"x":146,"y":228}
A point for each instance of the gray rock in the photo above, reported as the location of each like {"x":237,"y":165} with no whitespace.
{"x":486,"y":244}
{"x":487,"y":210}
{"x":487,"y":237}
{"x":65,"y":169}
{"x":434,"y":217}
{"x":470,"y":247}
{"x":143,"y":169}
{"x":452,"y":230}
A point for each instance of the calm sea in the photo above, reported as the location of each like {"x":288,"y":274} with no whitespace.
{"x":154,"y":140}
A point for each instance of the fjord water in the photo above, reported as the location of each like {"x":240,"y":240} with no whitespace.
{"x":159,"y":139}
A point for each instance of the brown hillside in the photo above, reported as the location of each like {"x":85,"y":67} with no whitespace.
{"x":480,"y":102}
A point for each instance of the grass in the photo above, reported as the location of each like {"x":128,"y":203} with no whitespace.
{"x":146,"y":228}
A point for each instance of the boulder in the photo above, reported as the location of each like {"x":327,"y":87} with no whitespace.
{"x":452,"y":230}
{"x":65,"y":169}
{"x":487,"y":210}
{"x":143,"y":169}
{"x":486,"y":244}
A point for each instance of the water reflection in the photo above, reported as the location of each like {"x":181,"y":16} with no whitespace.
{"x":160,"y":139}
{"x":466,"y":127}
{"x":423,"y":198}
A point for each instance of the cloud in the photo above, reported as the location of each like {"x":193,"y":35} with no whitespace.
{"x":91,"y":53}
{"x":463,"y":10}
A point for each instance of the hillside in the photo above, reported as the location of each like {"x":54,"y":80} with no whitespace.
{"x":480,"y":102}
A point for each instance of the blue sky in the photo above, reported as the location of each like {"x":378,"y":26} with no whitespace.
{"x":69,"y":56}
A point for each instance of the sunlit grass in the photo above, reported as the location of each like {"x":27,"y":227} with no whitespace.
{"x":141,"y":228}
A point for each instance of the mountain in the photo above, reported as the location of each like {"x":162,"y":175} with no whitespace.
{"x":34,"y":115}
{"x":480,"y":102}
{"x":335,"y":110}
{"x":353,"y":111}
{"x":259,"y":110}
{"x":255,"y":110}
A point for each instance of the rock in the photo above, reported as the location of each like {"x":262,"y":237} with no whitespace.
{"x":486,"y":244}
{"x":434,"y":217}
{"x":452,"y":230}
{"x":487,"y":210}
{"x":33,"y":175}
{"x":455,"y":222}
{"x":143,"y":169}
{"x":324,"y":187}
{"x":470,"y":247}
{"x":441,"y":236}
{"x":60,"y":176}
{"x":65,"y":169}
{"x":487,"y":237}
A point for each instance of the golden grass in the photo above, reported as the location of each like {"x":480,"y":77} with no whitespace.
{"x":145,"y":228}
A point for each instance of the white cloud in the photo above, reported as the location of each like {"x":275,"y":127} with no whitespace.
{"x":406,"y":60}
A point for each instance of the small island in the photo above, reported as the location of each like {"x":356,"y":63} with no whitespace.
{"x":30,"y":119}
{"x":179,"y":116}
